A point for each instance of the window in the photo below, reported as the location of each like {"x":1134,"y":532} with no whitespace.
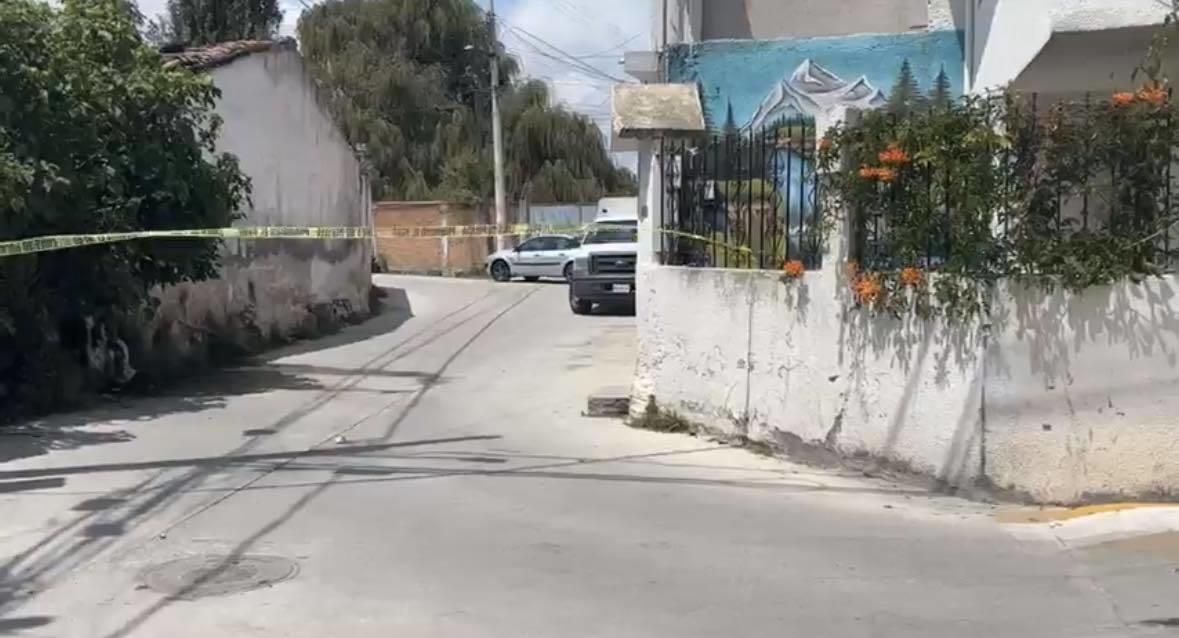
{"x":537,"y":244}
{"x":612,"y":234}
{"x":565,"y":243}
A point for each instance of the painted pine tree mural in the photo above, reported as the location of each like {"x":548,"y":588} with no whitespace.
{"x":941,"y":95}
{"x":906,"y":95}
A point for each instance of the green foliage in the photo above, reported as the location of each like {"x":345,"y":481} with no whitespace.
{"x":410,"y":80}
{"x":201,"y":22}
{"x":95,"y":136}
{"x":555,"y":155}
{"x":1075,"y":195}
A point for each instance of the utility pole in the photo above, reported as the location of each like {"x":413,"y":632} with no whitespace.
{"x":497,"y":136}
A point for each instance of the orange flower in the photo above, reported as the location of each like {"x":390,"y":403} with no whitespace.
{"x":868,"y":289}
{"x":1153,"y":94}
{"x":882,"y":174}
{"x":1123,"y":99}
{"x":912,"y":277}
{"x":794,"y":269}
{"x":851,"y":270}
{"x":895,"y":155}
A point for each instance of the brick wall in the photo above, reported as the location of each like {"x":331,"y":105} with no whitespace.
{"x":433,"y":256}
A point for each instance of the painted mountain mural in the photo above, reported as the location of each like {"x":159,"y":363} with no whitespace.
{"x":812,"y":90}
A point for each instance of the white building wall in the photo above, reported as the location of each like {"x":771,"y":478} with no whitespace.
{"x":1079,"y":391}
{"x":1060,"y":46}
{"x":303,"y":173}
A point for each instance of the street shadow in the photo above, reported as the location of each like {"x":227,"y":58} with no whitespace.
{"x":24,"y":442}
{"x":12,"y":625}
{"x":103,"y":519}
{"x":390,"y":309}
{"x":262,"y":460}
{"x":210,"y":388}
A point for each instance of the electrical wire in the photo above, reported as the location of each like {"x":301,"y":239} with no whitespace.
{"x":557,"y":54}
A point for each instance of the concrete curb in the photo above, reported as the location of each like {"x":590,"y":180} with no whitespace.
{"x":610,"y":402}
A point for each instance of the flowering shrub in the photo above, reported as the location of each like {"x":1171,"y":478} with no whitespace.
{"x":944,"y":201}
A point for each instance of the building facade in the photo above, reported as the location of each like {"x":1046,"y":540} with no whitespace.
{"x":1057,"y":396}
{"x":302,"y":173}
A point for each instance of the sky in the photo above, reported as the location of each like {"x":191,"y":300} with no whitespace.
{"x":596,"y":32}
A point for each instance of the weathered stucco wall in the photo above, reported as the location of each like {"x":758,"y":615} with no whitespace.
{"x":1064,"y":397}
{"x":303,"y":173}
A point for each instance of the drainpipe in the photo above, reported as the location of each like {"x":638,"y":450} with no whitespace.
{"x":663,"y":75}
{"x":971,"y":63}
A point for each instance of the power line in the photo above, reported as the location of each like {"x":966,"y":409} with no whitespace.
{"x":573,"y":63}
{"x":613,"y":48}
{"x":559,"y":54}
{"x":573,"y":11}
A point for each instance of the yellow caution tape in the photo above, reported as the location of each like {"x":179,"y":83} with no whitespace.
{"x":701,"y":238}
{"x":62,"y":242}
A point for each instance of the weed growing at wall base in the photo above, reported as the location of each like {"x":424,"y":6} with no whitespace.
{"x":658,"y":420}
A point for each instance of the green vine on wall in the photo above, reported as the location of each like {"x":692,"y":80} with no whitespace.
{"x":944,"y":203}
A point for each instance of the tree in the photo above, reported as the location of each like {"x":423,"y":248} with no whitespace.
{"x":941,"y":95}
{"x":201,"y":22}
{"x":906,"y":95}
{"x":409,"y":79}
{"x":555,"y":155}
{"x":104,"y":140}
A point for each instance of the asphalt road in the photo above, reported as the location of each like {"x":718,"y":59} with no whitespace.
{"x":428,"y":474}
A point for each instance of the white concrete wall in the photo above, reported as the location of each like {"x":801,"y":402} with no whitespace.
{"x":1079,"y":392}
{"x":303,"y":173}
{"x":1083,"y":391}
{"x":1007,"y":37}
{"x":1110,"y":58}
{"x":1061,"y":46}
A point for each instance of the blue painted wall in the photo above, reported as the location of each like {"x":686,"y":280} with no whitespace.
{"x":761,"y":80}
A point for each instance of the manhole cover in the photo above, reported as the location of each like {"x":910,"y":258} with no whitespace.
{"x":216,"y":575}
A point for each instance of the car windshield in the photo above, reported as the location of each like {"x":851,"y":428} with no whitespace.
{"x":612,"y":234}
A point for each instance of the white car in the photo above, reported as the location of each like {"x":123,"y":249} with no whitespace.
{"x":542,"y":256}
{"x":553,"y":255}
